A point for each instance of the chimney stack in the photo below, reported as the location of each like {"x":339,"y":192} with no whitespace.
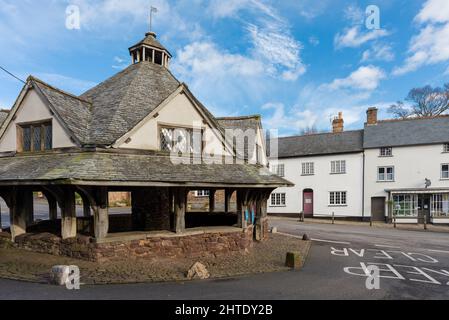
{"x":338,"y":123}
{"x":371,"y":116}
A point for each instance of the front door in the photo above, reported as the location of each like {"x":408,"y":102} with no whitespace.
{"x":423,"y":208}
{"x":308,"y":203}
{"x":378,"y":209}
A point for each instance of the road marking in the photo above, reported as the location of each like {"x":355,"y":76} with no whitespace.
{"x":330,"y":241}
{"x":439,"y":251}
{"x":386,"y":246}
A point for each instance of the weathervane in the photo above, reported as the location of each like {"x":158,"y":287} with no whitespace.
{"x":152,"y":10}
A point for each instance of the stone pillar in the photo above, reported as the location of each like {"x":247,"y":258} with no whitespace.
{"x":212,"y":201}
{"x":101,"y":213}
{"x":68,"y":213}
{"x":180,"y":210}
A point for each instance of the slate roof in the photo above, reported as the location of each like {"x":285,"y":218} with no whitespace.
{"x":321,"y":144}
{"x":130,"y":169}
{"x":122,"y":101}
{"x":3,"y":116}
{"x":151,"y":40}
{"x":74,"y":111}
{"x":243,"y":123}
{"x":396,"y":133}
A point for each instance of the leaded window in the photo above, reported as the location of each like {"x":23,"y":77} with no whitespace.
{"x":178,"y":140}
{"x":35,"y":137}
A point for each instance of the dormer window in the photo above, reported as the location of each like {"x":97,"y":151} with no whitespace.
{"x":35,"y":137}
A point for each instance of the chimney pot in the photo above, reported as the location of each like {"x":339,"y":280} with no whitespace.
{"x":371,"y":116}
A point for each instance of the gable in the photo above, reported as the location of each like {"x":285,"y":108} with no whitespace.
{"x":179,"y":111}
{"x":31,"y":109}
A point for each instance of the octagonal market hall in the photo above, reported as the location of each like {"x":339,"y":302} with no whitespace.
{"x":68,"y":153}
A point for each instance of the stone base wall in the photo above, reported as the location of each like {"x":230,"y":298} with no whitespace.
{"x":190,"y":246}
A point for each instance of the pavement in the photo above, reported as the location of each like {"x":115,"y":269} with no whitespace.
{"x":413,"y":265}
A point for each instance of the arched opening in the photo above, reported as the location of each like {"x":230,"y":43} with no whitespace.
{"x":308,"y":202}
{"x":5,"y":219}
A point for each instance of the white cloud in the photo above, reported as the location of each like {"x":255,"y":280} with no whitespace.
{"x":380,"y":52}
{"x":434,"y":11}
{"x":278,"y":50}
{"x":354,"y":37}
{"x":288,"y":122}
{"x":365,"y":78}
{"x":354,"y":14}
{"x":431,"y":45}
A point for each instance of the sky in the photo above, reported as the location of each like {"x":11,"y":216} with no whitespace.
{"x":296,"y":62}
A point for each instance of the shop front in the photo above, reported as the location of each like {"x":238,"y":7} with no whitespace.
{"x":419,"y":205}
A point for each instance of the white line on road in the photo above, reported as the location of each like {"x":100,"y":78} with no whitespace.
{"x":386,"y":246}
{"x":439,"y":251}
{"x":330,"y":241}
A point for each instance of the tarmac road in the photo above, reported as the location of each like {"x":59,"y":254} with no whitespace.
{"x":414,"y":265}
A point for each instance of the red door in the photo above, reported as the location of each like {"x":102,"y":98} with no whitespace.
{"x":308,"y":203}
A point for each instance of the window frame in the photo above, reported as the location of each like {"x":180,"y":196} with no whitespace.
{"x":202,"y":193}
{"x":446,"y":148}
{"x":42,"y":125}
{"x":340,"y":196}
{"x":338,"y":164}
{"x":175,"y":127}
{"x":278,"y":199}
{"x":443,"y":171}
{"x":279,"y":169}
{"x":388,"y":154}
{"x":308,"y":168}
{"x":386,"y":174}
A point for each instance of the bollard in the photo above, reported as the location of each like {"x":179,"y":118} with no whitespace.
{"x":333,"y":217}
{"x":425,"y":222}
{"x":394,"y":221}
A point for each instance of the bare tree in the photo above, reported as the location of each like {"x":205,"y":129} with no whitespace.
{"x":424,"y":102}
{"x":307,"y":131}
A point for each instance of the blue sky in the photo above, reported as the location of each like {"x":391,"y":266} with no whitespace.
{"x":296,"y":62}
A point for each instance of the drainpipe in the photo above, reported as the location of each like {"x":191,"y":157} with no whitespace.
{"x":363,"y":186}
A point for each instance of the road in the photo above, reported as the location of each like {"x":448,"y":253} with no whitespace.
{"x":415,"y":265}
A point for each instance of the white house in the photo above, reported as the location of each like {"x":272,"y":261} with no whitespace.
{"x":392,"y":168}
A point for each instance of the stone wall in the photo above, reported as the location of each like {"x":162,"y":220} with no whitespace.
{"x":151,"y":209}
{"x":189,"y":246}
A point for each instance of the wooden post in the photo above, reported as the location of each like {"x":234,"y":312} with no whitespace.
{"x":212,"y":201}
{"x":52,"y":207}
{"x":241,"y":208}
{"x":180,"y":210}
{"x":21,"y":210}
{"x":101,"y":214}
{"x":228,"y":195}
{"x":68,"y":213}
{"x":86,"y":205}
